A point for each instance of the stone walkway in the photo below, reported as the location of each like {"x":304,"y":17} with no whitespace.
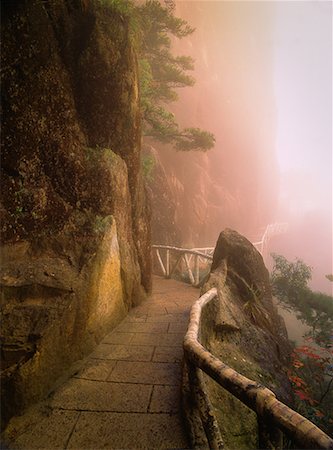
{"x":127,"y":393}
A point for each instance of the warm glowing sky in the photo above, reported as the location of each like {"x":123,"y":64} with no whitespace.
{"x":303,"y":86}
{"x":303,"y":93}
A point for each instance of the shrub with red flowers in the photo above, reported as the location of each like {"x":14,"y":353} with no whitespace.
{"x":312,"y":379}
{"x":311,"y":372}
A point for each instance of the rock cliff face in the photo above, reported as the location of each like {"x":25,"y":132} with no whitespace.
{"x":164,"y":200}
{"x":75,"y":252}
{"x":244,"y":330}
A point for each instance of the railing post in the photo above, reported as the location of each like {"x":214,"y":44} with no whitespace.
{"x":174,"y":267}
{"x":167,"y":263}
{"x":204,"y":407}
{"x":196,"y":270}
{"x":270,"y":437}
{"x":190,"y":274}
{"x":160,"y":261}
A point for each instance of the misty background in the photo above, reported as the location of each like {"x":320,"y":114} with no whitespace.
{"x":303,"y":91}
{"x":264,"y":88}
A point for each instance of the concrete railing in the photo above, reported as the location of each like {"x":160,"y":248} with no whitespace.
{"x":189,"y":260}
{"x":274,"y":417}
{"x":273,"y":229}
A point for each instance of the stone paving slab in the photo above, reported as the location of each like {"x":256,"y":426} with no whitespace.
{"x":168,"y":318}
{"x":133,"y":318}
{"x":144,"y":327}
{"x":178,"y":327}
{"x":138,"y":311}
{"x":157,"y":339}
{"x":118,"y":338}
{"x":165,"y":399}
{"x":168,"y":354}
{"x":96,"y":370}
{"x":175,"y":309}
{"x":127,"y":392}
{"x":146,"y":372}
{"x":42,"y":430}
{"x":78,"y":394}
{"x":156,"y":311}
{"x":128,"y":431}
{"x":123,"y":352}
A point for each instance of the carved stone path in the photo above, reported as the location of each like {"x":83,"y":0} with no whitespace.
{"x":127,"y":393}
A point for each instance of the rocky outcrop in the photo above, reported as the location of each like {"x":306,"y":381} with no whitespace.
{"x":246,"y":307}
{"x":55,"y":310}
{"x":74,"y":217}
{"x":242,"y":328}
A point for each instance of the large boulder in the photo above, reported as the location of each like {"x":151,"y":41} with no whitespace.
{"x":247,"y":315}
{"x":243,"y":329}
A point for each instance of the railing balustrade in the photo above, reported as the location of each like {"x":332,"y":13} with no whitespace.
{"x":274,"y":417}
{"x":192,"y":261}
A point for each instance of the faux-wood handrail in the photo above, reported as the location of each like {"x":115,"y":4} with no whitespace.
{"x":183,"y":250}
{"x":254,"y":395}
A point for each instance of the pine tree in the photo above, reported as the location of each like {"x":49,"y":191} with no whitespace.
{"x":161,"y":73}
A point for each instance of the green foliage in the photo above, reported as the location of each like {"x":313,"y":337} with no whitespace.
{"x":253,"y":302}
{"x":195,"y":139}
{"x":146,"y":82}
{"x":312,"y":379}
{"x":123,"y":7}
{"x":312,"y":371}
{"x":254,"y":308}
{"x":161,"y":123}
{"x":161,"y":73}
{"x":19,"y":196}
{"x":101,"y":223}
{"x":290,"y":279}
{"x":290,"y":286}
{"x":148,"y":164}
{"x":157,"y":22}
{"x":19,"y":210}
{"x":127,"y":12}
{"x":151,"y":27}
{"x":91,"y":153}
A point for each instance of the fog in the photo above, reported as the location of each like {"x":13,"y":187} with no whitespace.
{"x":264,"y":87}
{"x":303,"y":93}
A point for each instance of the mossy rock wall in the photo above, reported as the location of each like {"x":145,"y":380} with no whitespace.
{"x":75,"y":222}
